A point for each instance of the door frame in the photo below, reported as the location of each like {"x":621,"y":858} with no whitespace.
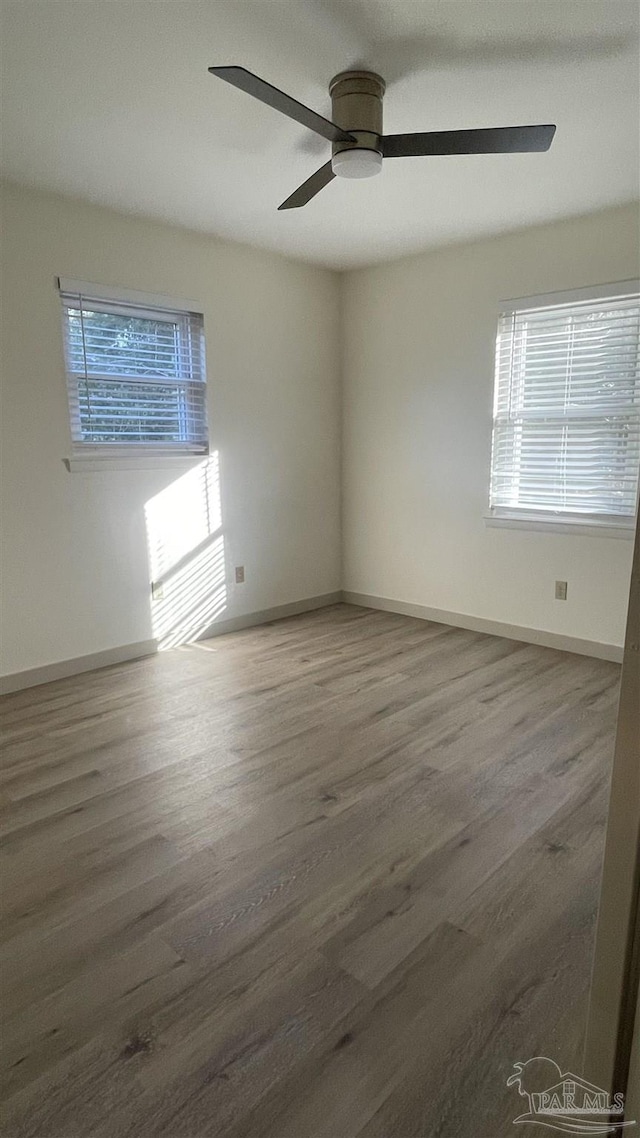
{"x":616,"y":967}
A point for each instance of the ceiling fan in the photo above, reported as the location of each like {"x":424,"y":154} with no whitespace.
{"x":358,"y":144}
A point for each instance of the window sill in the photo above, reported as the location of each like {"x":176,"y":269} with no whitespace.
{"x":555,"y":524}
{"x":87,"y":463}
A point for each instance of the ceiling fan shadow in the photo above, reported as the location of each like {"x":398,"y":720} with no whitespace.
{"x":406,"y":55}
{"x":403,"y":56}
{"x":396,"y":56}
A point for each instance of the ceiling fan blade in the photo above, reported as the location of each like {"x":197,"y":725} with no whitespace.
{"x":247,"y":81}
{"x":310,"y":188}
{"x":489,"y":140}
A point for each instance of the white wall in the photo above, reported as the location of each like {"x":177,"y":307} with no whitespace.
{"x":419,"y":338}
{"x":75,"y":567}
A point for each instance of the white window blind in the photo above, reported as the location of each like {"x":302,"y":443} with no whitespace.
{"x":566,"y":425}
{"x":135,"y":374}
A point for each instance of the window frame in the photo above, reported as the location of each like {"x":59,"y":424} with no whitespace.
{"x":135,"y":455}
{"x":540,"y":518}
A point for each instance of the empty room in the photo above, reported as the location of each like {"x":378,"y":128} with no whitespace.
{"x":320,"y":779}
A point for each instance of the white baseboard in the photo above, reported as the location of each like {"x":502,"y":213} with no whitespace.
{"x":493,"y":627}
{"x":63,"y":668}
{"x":46,"y":673}
{"x":252,"y":619}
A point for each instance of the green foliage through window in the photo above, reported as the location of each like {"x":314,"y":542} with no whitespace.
{"x":134,"y":376}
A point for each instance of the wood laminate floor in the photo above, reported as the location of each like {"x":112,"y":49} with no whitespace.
{"x":326,"y":878}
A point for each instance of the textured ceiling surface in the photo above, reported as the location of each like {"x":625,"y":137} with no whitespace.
{"x":112,"y":102}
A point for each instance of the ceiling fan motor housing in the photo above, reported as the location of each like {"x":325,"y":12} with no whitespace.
{"x":356,"y":102}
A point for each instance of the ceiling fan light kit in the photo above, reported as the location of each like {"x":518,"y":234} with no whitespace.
{"x":358,"y":145}
{"x":356,"y":163}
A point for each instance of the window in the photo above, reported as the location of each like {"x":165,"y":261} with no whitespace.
{"x":566,"y":423}
{"x":135,"y":373}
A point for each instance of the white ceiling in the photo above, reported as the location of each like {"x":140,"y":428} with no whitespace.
{"x":112,"y":101}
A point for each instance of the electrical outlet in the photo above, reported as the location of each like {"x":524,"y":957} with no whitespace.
{"x":239,"y":574}
{"x":561,"y":590}
{"x":157,"y":590}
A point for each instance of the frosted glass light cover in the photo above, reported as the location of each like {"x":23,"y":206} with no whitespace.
{"x":356,"y":163}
